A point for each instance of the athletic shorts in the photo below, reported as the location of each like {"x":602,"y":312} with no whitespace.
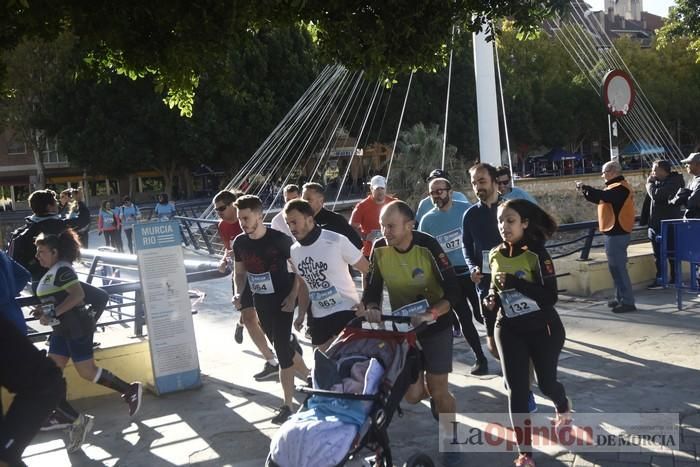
{"x":436,"y":353}
{"x":322,"y":329}
{"x":78,"y":349}
{"x":277,"y":326}
{"x":246,"y":298}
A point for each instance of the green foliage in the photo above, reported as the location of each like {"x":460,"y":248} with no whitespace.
{"x":420,"y":151}
{"x":684,"y":24}
{"x":113,"y":124}
{"x":174,"y":43}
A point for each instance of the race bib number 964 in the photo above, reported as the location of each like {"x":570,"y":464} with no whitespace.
{"x":261,"y":284}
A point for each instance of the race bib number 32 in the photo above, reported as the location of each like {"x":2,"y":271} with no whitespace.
{"x":261,"y":284}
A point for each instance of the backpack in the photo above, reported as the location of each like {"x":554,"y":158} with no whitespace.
{"x":21,"y":246}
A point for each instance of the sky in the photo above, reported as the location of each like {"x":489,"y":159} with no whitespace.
{"x":658,"y":7}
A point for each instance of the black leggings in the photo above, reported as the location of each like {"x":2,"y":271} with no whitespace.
{"x":129,"y":239}
{"x":516,"y":349}
{"x":38,"y":385}
{"x":464,"y":315}
{"x":277,"y":326}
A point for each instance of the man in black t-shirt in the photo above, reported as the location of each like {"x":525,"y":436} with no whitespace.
{"x":261,"y":258}
{"x":329,"y":220}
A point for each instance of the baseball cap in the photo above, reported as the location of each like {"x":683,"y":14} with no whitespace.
{"x":694,"y":157}
{"x":377,"y":182}
{"x":437,"y":173}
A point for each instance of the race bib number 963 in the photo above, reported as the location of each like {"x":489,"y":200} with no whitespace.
{"x":326,"y":298}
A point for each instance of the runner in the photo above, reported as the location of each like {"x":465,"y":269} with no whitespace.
{"x":365,"y":217}
{"x":36,"y":383}
{"x":521,"y":306}
{"x":62,"y":308}
{"x":164,"y":210}
{"x":289,"y":192}
{"x":426,"y":204}
{"x":480,"y":233}
{"x":229,"y":228}
{"x":314,"y":193}
{"x":445,"y":224}
{"x":129,"y":214}
{"x":261,"y":260}
{"x":418,"y":274}
{"x":321,"y":258}
{"x":108,"y":224}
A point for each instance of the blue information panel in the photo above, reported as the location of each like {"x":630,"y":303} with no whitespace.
{"x":168,"y":312}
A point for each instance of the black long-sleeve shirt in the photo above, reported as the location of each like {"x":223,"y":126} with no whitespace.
{"x":335,"y":222}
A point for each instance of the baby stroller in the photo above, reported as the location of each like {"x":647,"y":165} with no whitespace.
{"x":357,"y":387}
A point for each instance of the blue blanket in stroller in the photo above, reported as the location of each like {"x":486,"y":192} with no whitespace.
{"x":322,"y":435}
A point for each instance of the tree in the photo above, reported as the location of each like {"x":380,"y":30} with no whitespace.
{"x":120,"y":127}
{"x":34,"y":68}
{"x":683,"y":23}
{"x":176,"y":43}
{"x":419,"y":149}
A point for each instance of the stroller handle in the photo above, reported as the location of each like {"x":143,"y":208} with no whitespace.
{"x":336,"y":395}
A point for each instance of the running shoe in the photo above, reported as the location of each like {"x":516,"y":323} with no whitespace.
{"x":56,"y":421}
{"x":133,"y":397}
{"x":78,"y":431}
{"x":269,"y":371}
{"x":656,"y":285}
{"x":623,"y":308}
{"x":531,"y":404}
{"x":295,"y":344}
{"x":283,"y":414}
{"x":613,"y":303}
{"x":480,"y":368}
{"x":524,"y":460}
{"x":238,"y":335}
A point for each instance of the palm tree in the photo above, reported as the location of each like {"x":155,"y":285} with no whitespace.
{"x":420,"y":150}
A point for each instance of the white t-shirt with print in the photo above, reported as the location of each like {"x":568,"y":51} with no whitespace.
{"x":324,"y":267}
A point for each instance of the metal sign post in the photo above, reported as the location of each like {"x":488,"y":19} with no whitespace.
{"x":618,"y":95}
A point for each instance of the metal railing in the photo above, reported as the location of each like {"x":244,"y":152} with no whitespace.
{"x":118,"y":300}
{"x":591,"y":232}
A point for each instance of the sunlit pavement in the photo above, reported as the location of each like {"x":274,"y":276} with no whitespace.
{"x":646,"y":361}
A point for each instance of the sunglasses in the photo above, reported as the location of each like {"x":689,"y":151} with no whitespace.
{"x":222,"y":208}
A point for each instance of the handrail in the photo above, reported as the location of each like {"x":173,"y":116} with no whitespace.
{"x":592,"y":227}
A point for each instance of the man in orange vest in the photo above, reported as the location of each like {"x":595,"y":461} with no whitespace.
{"x":615,"y":220}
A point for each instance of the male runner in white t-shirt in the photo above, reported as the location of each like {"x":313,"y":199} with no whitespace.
{"x":321,"y":258}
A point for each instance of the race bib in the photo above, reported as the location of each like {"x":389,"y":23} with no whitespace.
{"x":326,"y":298}
{"x":411,"y":309}
{"x":451,"y":241}
{"x":485,"y":266}
{"x":516,"y":304}
{"x":261,"y":284}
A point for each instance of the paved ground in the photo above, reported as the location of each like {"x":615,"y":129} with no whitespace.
{"x":647,"y":361}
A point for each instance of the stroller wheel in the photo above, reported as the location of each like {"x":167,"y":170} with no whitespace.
{"x":419,"y":459}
